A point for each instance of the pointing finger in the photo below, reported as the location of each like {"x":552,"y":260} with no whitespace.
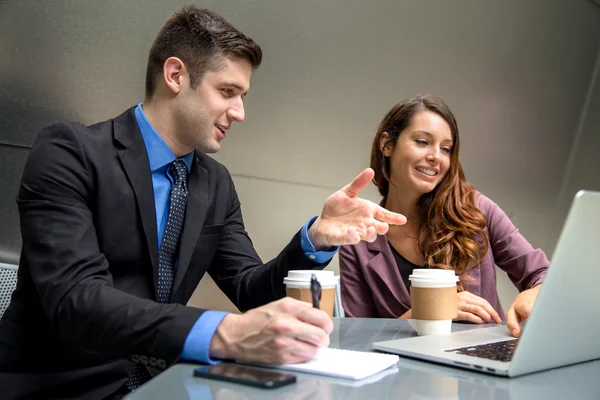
{"x":389,"y":217}
{"x":359,"y":183}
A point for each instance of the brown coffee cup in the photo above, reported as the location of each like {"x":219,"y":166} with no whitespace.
{"x":297,"y":286}
{"x":433,"y":300}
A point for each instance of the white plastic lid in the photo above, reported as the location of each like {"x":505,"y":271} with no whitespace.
{"x":445,"y":275}
{"x":301,"y":278}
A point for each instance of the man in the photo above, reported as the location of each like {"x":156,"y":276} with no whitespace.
{"x":120,"y":221}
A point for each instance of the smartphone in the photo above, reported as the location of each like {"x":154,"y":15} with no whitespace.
{"x":245,"y":375}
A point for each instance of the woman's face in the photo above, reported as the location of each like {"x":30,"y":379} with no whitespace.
{"x":421,"y":157}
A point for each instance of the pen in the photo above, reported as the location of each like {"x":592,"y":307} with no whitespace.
{"x":315,"y":291}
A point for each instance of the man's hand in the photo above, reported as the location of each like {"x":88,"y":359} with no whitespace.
{"x":520,"y":309}
{"x":285,"y":331}
{"x":476,"y":309}
{"x":348,"y":219}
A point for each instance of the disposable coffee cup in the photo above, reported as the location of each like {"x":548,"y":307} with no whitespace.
{"x":297,"y":285}
{"x":433,"y":300}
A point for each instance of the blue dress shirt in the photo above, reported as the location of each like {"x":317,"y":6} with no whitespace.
{"x":197,"y":343}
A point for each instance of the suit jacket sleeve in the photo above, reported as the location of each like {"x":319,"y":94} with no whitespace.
{"x":525,"y":266}
{"x":70,"y":273}
{"x":238,"y":270}
{"x":357,"y":296}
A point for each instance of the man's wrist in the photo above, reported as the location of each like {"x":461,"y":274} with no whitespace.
{"x":321,"y":256}
{"x":197,"y":342}
{"x":312,"y":233}
{"x":222,"y":343}
{"x":315,"y":238}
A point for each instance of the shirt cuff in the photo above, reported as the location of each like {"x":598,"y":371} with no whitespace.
{"x":320,"y":257}
{"x":197,"y":342}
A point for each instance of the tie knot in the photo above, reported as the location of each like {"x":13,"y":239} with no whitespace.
{"x":179,"y":172}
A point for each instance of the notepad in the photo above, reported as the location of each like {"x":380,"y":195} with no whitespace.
{"x":347,"y":364}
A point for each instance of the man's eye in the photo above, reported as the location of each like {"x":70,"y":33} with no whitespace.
{"x":227,"y":92}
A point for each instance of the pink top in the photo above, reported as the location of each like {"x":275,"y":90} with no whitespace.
{"x":372,"y":286}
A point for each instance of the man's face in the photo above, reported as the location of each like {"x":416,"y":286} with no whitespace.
{"x":204,"y":114}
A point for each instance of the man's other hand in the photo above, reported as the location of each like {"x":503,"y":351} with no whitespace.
{"x":348,"y":219}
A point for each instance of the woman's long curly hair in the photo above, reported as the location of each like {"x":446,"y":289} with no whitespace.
{"x":453,"y":234}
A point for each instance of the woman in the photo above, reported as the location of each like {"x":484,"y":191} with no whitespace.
{"x":415,"y":156}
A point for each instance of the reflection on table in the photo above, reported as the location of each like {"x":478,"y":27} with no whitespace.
{"x":411,"y":379}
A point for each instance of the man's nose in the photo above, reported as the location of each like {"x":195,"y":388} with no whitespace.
{"x":236,"y":112}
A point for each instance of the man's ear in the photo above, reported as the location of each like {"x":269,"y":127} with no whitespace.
{"x":175,"y":74}
{"x":385,"y":146}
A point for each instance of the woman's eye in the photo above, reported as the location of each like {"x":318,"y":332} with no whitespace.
{"x":447,"y":150}
{"x":422,"y":142}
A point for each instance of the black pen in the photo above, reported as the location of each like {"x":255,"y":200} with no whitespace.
{"x":315,"y":291}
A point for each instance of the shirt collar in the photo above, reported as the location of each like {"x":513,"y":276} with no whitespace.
{"x":159,"y":153}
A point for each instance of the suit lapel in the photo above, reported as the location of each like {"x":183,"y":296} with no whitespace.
{"x":134,"y":160}
{"x":195,"y":214}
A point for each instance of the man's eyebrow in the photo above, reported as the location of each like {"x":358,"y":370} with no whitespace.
{"x":431,"y":136}
{"x":237,"y":87}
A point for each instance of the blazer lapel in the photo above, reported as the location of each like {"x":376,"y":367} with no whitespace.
{"x":195,"y":214}
{"x":391,"y":290}
{"x":134,"y":159}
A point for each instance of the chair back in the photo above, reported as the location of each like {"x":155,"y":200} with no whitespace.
{"x":8,"y":283}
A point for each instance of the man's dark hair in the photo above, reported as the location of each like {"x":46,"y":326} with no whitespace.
{"x":201,"y":39}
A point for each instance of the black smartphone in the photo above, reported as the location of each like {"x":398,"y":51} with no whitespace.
{"x":245,"y":375}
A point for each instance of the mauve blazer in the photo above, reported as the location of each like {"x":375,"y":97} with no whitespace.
{"x":372,"y":287}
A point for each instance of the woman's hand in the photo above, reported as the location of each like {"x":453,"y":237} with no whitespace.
{"x":475,"y":309}
{"x":520,"y":309}
{"x":471,"y":308}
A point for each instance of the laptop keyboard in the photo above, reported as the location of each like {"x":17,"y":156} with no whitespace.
{"x":499,"y":351}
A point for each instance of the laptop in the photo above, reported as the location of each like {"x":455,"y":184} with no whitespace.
{"x":564,"y":326}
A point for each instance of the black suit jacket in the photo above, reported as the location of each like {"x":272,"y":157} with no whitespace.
{"x":84,"y":310}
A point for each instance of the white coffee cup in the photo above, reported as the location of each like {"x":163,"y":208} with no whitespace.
{"x":433,"y":300}
{"x":297,"y":285}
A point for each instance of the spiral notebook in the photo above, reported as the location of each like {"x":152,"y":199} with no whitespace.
{"x":348,"y":364}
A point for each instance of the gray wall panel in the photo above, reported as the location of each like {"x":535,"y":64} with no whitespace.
{"x":24,"y":110}
{"x":515,"y":72}
{"x":12,"y":161}
{"x":584,"y":167}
